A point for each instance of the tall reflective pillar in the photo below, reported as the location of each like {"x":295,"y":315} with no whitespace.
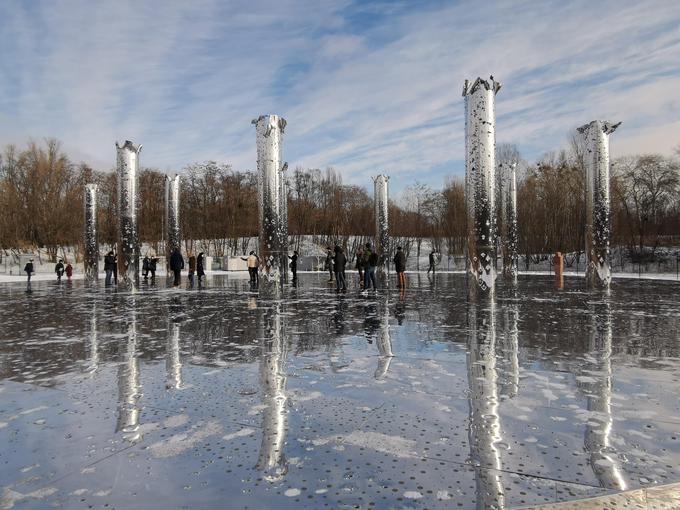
{"x":128,"y":205}
{"x":91,"y":239}
{"x":509,"y":237}
{"x":480,"y":167}
{"x":172,"y":224}
{"x":598,"y":221}
{"x":382,"y":230}
{"x":272,"y":197}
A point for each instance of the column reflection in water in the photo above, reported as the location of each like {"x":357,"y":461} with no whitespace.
{"x":510,"y":350}
{"x":598,"y":221}
{"x":382,"y":232}
{"x":598,"y":387}
{"x":129,"y":387}
{"x":93,"y":345}
{"x":383,"y":340}
{"x":173,"y":360}
{"x":480,"y":169}
{"x":128,"y":204}
{"x":172,"y":220}
{"x":272,"y":196}
{"x":485,"y":430}
{"x":271,"y":332}
{"x":508,"y":180}
{"x":91,"y":239}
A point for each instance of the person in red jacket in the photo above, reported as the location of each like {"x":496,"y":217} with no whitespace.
{"x":69,"y":270}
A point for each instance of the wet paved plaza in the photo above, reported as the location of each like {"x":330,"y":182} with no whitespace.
{"x":227,"y":398}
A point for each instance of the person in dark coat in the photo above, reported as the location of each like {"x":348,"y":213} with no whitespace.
{"x":192,"y":269}
{"x":339,"y":262}
{"x":115,"y":268}
{"x":370,"y":263}
{"x":28,"y":269}
{"x":200,"y":271}
{"x":176,"y":264}
{"x":59,"y":269}
{"x":360,"y":265}
{"x":109,"y":266}
{"x":400,"y":267}
{"x":69,"y":270}
{"x":293,"y":264}
{"x":145,"y":267}
{"x":431,"y":268}
{"x":329,"y":263}
{"x":152,"y":267}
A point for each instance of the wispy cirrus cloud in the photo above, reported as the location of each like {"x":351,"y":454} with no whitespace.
{"x":365,"y":87}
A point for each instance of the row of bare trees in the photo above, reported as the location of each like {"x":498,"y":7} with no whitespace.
{"x":41,"y":205}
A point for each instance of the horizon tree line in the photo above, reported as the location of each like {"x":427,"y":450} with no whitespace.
{"x":41,"y":192}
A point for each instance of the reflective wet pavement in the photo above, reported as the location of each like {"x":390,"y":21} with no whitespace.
{"x":223,"y":397}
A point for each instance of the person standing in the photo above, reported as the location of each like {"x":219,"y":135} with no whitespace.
{"x":293,"y":264}
{"x":339,"y":262}
{"x":400,"y":267}
{"x":109,"y":266}
{"x":59,"y":269}
{"x":176,"y":264}
{"x":370,"y":263}
{"x":115,"y":268}
{"x":431,"y":268}
{"x":69,"y":270}
{"x":200,"y":272}
{"x":360,"y":265}
{"x":28,"y":269}
{"x":253,"y":265}
{"x":145,"y":267}
{"x":192,"y":269}
{"x":152,"y":267}
{"x":329,"y":263}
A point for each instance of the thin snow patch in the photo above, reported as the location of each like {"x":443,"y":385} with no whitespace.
{"x":103,"y":493}
{"x":241,"y":433}
{"x":443,"y":495}
{"x":176,"y":421}
{"x":412,"y":495}
{"x":179,"y":443}
{"x":392,"y":445}
{"x":11,"y":497}
{"x":309,"y":396}
{"x":291,"y":493}
{"x":256,"y":409}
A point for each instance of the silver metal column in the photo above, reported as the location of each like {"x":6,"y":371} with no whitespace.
{"x":509,"y":237}
{"x":382,"y":232}
{"x":485,"y":430}
{"x":172,"y":224}
{"x":128,"y":204}
{"x":598,"y":221}
{"x":272,"y":197}
{"x":480,"y":166}
{"x":91,"y":240}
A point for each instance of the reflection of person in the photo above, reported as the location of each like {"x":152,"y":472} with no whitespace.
{"x":176,"y":264}
{"x":400,"y":266}
{"x":109,"y":266}
{"x":200,"y":272}
{"x":431,"y":268}
{"x":293,"y":264}
{"x":339,"y":262}
{"x":59,"y":269}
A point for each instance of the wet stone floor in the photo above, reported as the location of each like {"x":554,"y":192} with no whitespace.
{"x":222,"y":397}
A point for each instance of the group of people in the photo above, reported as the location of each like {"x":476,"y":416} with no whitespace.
{"x":60,"y":269}
{"x":196,"y":267}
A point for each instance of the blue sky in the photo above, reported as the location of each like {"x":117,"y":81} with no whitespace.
{"x":366,"y":87}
